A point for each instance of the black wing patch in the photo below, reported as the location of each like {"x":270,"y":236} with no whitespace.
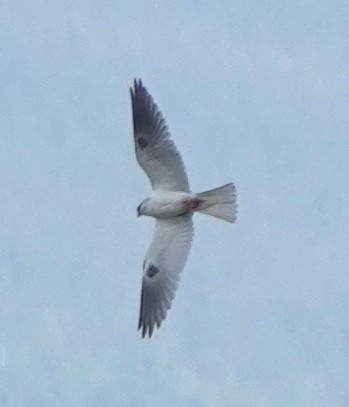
{"x":142,"y":142}
{"x":152,"y":271}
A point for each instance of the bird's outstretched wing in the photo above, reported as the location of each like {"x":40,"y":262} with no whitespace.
{"x":156,"y":152}
{"x":163,"y":264}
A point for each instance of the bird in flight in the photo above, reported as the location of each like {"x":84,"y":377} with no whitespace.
{"x":172,"y":204}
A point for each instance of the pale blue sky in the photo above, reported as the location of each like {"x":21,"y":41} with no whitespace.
{"x":254,"y":92}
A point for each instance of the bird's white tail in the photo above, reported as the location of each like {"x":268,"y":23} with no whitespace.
{"x":219,"y":202}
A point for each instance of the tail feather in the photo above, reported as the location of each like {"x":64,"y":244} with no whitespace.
{"x":219,"y":202}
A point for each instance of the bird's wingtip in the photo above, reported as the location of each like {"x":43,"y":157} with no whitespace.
{"x":137,"y":84}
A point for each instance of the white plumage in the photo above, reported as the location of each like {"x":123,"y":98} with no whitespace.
{"x":172,"y":204}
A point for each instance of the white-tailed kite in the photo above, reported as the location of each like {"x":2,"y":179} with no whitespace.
{"x":171,"y":204}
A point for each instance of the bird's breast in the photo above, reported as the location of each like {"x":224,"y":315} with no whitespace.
{"x":168,"y":204}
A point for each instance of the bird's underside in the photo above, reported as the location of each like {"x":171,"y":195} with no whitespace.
{"x":171,"y":204}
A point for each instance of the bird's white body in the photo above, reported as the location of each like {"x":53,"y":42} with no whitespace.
{"x":171,"y":204}
{"x":164,"y":204}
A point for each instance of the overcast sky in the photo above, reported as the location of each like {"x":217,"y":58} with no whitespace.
{"x":254,"y":92}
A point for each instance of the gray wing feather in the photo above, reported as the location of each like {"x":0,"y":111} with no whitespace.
{"x":165,"y":260}
{"x":155,"y":151}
